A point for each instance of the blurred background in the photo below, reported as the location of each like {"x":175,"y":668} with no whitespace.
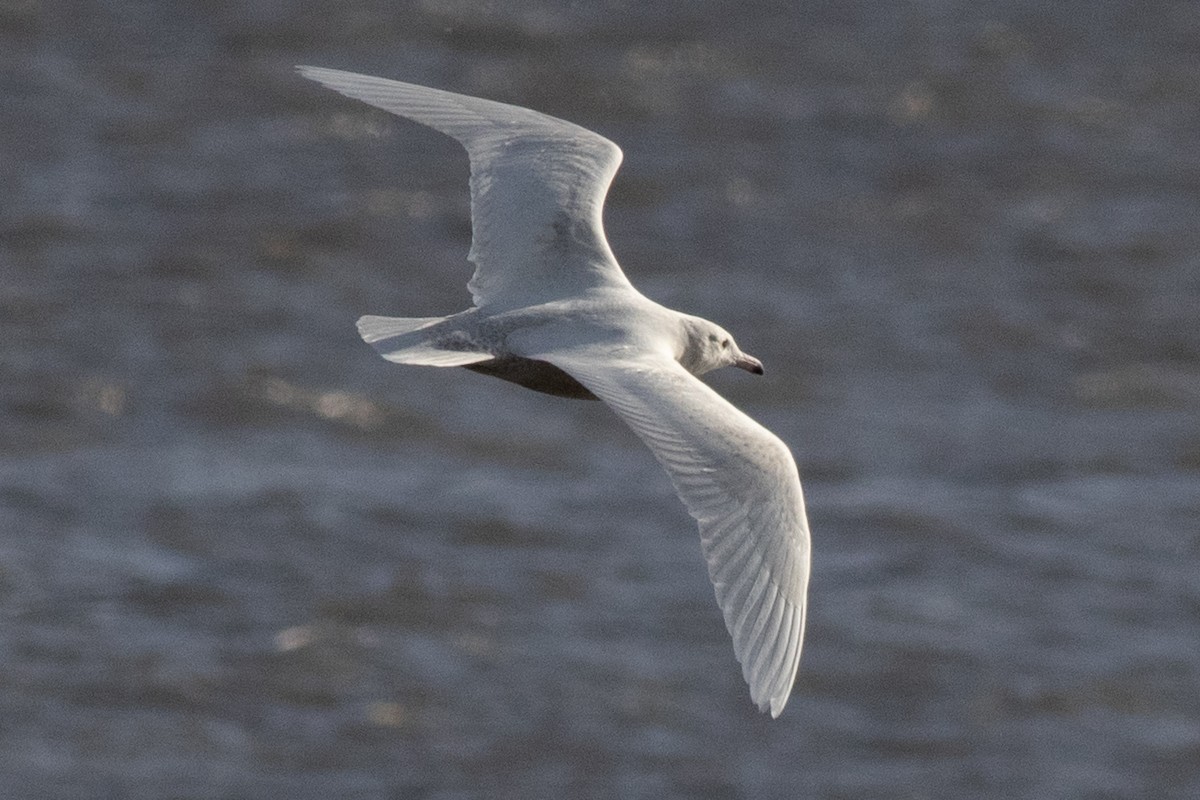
{"x":242,"y":556}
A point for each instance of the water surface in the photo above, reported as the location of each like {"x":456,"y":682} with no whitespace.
{"x":241,"y":556}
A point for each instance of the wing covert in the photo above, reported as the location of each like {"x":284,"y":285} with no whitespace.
{"x":740,"y":483}
{"x":537,"y":189}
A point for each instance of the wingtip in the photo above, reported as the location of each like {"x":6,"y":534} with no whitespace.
{"x":318,"y":74}
{"x":772,"y":705}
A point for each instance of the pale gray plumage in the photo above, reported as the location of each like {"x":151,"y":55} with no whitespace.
{"x":534,"y":179}
{"x":554,"y":312}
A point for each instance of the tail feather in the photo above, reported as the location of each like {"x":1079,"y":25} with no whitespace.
{"x":372,"y":329}
{"x":406,"y":340}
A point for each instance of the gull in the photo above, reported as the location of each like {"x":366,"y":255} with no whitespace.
{"x":554,"y":312}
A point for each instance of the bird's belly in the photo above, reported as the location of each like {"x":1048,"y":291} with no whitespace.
{"x":541,"y":376}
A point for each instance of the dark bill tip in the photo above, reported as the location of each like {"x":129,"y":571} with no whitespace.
{"x":749,"y":363}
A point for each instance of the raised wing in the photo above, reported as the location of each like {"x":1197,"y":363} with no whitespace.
{"x":740,"y":483}
{"x":537,"y":189}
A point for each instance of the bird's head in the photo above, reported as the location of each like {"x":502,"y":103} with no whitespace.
{"x":708,"y":346}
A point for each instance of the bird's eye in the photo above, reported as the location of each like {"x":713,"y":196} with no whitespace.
{"x":725,"y":344}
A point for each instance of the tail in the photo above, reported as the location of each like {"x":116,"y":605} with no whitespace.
{"x":416,"y":340}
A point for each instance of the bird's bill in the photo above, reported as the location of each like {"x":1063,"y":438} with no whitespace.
{"x":749,"y":363}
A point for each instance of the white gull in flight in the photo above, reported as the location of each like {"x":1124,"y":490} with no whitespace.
{"x":554,"y":312}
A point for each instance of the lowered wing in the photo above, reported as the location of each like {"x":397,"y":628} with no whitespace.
{"x":740,"y":483}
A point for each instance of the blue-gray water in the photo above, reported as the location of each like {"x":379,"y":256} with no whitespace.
{"x":241,"y":556}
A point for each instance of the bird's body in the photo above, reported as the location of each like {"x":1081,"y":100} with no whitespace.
{"x":554,"y":312}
